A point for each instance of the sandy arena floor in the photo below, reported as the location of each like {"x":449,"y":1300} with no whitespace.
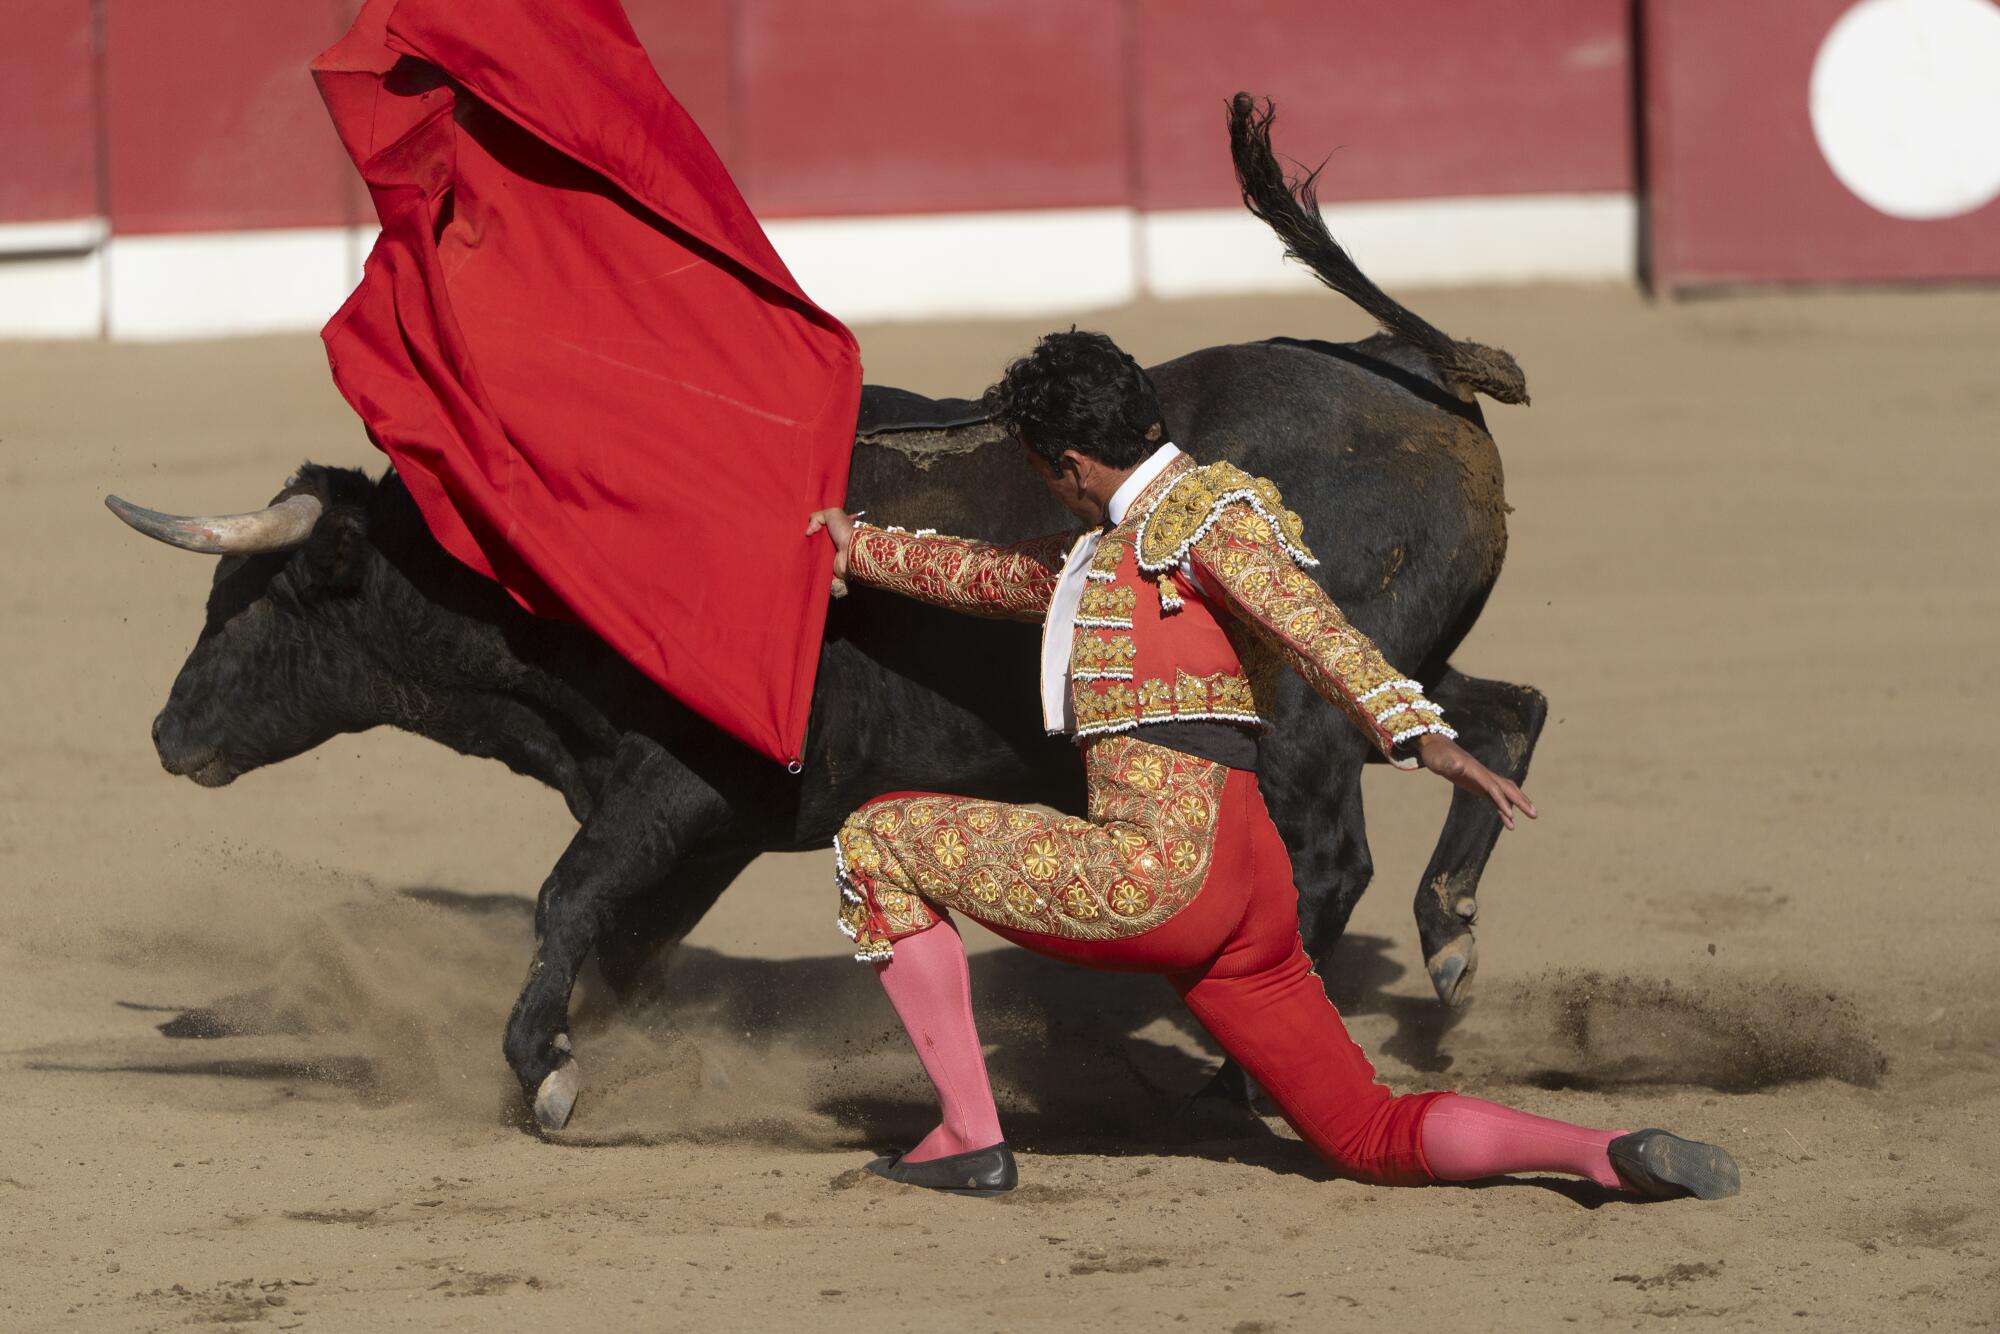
{"x":1754,"y":567}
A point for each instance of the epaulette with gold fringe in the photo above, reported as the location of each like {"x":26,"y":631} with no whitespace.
{"x":1192,"y":504}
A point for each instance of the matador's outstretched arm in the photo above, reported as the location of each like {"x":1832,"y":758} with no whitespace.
{"x":1241,"y":559}
{"x":1011,"y":582}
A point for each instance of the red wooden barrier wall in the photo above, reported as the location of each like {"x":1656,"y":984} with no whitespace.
{"x":48,"y":117}
{"x":1739,"y":190}
{"x":1415,"y":99}
{"x":692,"y":43}
{"x":211,"y":120}
{"x":869,"y":106}
{"x":880,"y":106}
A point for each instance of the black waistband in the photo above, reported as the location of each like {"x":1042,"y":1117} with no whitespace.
{"x":1227,"y":744}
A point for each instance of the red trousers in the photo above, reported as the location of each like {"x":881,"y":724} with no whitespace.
{"x":1233,"y":953}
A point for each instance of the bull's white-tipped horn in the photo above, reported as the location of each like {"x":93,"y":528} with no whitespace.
{"x":278,"y":527}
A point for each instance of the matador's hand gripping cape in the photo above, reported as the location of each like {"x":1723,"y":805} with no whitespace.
{"x":594,"y":374}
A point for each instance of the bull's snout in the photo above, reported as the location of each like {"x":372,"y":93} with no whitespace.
{"x":181,"y":756}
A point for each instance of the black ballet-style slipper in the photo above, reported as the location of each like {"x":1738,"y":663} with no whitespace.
{"x":987,"y":1171}
{"x":1661,"y":1166}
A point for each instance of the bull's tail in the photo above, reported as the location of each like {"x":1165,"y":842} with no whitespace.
{"x":1291,"y":209}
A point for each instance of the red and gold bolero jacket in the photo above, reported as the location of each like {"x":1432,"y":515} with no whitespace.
{"x":1191,"y":607}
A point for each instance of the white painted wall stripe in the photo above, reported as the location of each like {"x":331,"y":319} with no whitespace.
{"x":1058,"y":263}
{"x":52,"y":296}
{"x":1403,"y":244}
{"x":55,"y":237}
{"x":926,"y":266}
{"x":222,"y":284}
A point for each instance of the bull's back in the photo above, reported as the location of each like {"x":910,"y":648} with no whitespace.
{"x":1396,"y":478}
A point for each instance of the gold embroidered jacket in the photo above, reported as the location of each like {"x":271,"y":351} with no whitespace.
{"x":1191,"y":607}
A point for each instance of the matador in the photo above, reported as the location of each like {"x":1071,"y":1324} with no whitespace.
{"x":1165,"y":625}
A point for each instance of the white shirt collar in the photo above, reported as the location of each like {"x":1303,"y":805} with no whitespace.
{"x":1141,"y":478}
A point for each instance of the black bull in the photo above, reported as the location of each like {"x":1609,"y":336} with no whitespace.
{"x":364,"y":621}
{"x":370,"y":623}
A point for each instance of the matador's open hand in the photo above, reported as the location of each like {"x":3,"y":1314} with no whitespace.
{"x":1449,"y":760}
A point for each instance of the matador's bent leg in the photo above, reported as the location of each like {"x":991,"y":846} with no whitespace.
{"x":1263,"y":1002}
{"x":1050,"y":882}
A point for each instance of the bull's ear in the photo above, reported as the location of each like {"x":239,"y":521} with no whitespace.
{"x":334,"y":560}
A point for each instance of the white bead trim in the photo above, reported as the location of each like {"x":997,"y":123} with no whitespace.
{"x":1413,"y":706}
{"x":896,"y":528}
{"x":1109,"y":674}
{"x":1126,"y":725}
{"x":1222,"y":502}
{"x":1405,"y":684}
{"x":1100,"y":576}
{"x":1101,"y":623}
{"x":1447,"y":733}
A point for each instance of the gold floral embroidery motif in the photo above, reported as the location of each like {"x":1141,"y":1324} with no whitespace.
{"x":1078,"y":903}
{"x":1100,"y":653}
{"x":949,"y":848}
{"x":985,"y":885}
{"x":1140,"y":857}
{"x":1300,"y":623}
{"x":862,"y":853}
{"x":1102,"y":704}
{"x":1013,"y":582}
{"x":1128,"y":899}
{"x":1110,"y":554}
{"x":1107,"y":602}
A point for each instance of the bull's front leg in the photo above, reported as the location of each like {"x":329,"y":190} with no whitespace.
{"x":1498,"y":723}
{"x":652,"y":808}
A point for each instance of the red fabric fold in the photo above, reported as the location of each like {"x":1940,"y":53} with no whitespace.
{"x":594,"y":374}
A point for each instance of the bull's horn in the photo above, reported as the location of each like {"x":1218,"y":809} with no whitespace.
{"x":278,"y":527}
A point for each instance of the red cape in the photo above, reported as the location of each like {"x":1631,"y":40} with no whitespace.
{"x":594,"y":374}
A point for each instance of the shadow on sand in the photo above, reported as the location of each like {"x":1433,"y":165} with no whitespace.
{"x":712,"y":1047}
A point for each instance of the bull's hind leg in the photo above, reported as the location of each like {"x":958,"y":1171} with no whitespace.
{"x":1499,"y":723}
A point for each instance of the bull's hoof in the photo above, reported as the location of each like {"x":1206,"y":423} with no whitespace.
{"x":555,"y":1099}
{"x":1451,"y":970}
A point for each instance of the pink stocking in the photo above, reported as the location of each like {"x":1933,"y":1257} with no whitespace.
{"x":931,"y":988}
{"x":1466,"y":1139}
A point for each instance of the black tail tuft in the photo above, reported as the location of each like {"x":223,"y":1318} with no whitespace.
{"x":1291,"y":209}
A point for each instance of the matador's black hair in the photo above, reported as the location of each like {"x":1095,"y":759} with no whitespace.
{"x":1079,"y":390}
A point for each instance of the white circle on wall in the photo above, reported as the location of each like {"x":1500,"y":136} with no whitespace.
{"x":1905,"y":102}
